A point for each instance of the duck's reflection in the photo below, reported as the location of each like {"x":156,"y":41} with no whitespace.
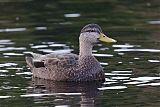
{"x":87,"y":91}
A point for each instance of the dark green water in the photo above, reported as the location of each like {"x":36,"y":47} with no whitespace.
{"x":132,"y":65}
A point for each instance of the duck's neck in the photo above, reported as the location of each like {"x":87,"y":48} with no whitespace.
{"x":85,"y":49}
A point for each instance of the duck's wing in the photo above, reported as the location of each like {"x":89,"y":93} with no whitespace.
{"x":63,"y":60}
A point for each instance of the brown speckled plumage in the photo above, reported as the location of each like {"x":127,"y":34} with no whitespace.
{"x":70,"y":67}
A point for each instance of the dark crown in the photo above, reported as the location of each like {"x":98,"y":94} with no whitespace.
{"x":91,"y":28}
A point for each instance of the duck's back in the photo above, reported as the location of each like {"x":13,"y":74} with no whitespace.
{"x":51,"y":66}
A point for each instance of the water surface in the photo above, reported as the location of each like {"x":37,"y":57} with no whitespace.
{"x":131,"y":65}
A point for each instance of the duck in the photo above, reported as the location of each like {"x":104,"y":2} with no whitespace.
{"x":70,"y":66}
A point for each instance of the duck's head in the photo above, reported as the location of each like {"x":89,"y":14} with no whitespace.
{"x":92,"y":33}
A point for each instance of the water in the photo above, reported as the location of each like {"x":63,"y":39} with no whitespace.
{"x":131,"y":65}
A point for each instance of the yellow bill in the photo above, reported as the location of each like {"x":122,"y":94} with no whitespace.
{"x":104,"y":38}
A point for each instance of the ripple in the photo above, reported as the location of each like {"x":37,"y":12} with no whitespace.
{"x":113,"y":88}
{"x":103,"y":55}
{"x":62,"y":106}
{"x":12,"y":48}
{"x":6,"y":42}
{"x":120,"y":62}
{"x":113,"y":74}
{"x":154,"y":22}
{"x":108,"y":83}
{"x":95,"y":51}
{"x":135,"y":82}
{"x":14,"y":68}
{"x":3,"y":70}
{"x":121,"y":71}
{"x":51,"y":94}
{"x":8,"y":87}
{"x":24,"y":73}
{"x":125,"y":46}
{"x":120,"y":53}
{"x":7,"y":64}
{"x":57,"y":45}
{"x":137,"y":50}
{"x":120,"y":78}
{"x":29,"y":87}
{"x":27,"y":52}
{"x":1,"y":46}
{"x":28,"y":78}
{"x":41,"y":28}
{"x":13,"y":30}
{"x":109,"y":80}
{"x":48,"y":43}
{"x":56,"y":51}
{"x":72,"y":15}
{"x":145,"y":78}
{"x":3,"y":75}
{"x":2,"y":97}
{"x":103,"y":63}
{"x":39,"y":46}
{"x":13,"y":54}
{"x":150,"y":84}
{"x":154,"y":61}
{"x":102,"y":49}
{"x":136,"y":58}
{"x":65,"y":23}
{"x":6,"y":83}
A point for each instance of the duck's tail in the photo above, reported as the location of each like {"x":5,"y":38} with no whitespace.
{"x":34,"y":60}
{"x":29,"y":61}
